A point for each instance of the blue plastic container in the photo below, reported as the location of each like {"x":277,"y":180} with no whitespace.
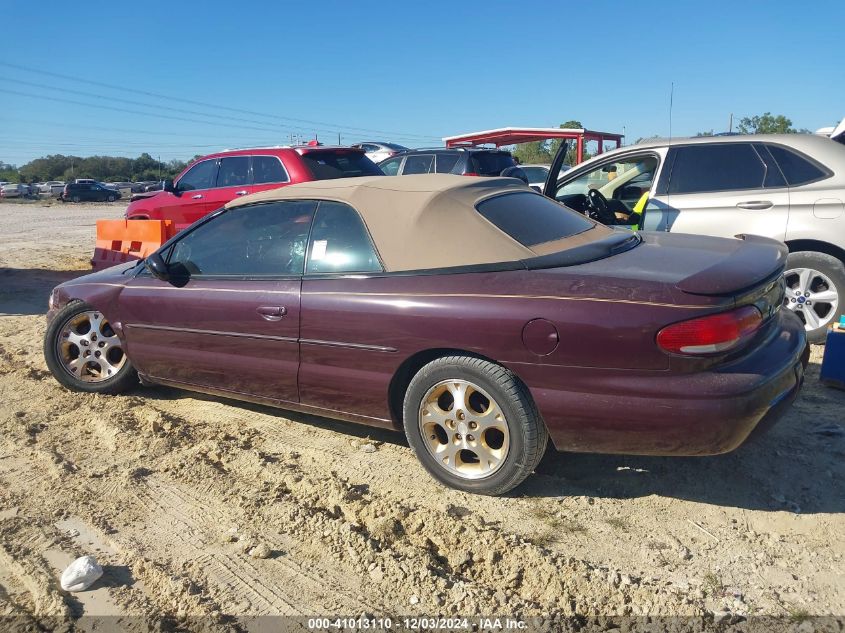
{"x":833,"y":363}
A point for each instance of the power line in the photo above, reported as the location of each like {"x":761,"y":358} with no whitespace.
{"x":64,"y":124}
{"x":128,"y":111}
{"x":332,"y":126}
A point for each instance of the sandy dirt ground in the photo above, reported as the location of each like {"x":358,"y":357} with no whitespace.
{"x":207,"y":514}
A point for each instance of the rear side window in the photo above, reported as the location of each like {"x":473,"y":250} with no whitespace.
{"x":797,"y":169}
{"x":536,"y":174}
{"x":490,"y":163}
{"x":532,"y":219}
{"x":340,"y":242}
{"x":774,"y":177}
{"x":699,"y":168}
{"x":445,"y":163}
{"x":267,"y":169}
{"x":418,"y":164}
{"x":325,"y":165}
{"x":234,"y":171}
{"x":200,"y":176}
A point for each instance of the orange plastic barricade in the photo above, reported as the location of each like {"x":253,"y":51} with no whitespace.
{"x":120,"y":241}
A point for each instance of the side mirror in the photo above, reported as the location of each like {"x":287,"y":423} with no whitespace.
{"x":515,"y":172}
{"x":155,"y":264}
{"x":167,"y":185}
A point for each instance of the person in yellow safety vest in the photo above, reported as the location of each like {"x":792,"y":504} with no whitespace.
{"x":633,"y":218}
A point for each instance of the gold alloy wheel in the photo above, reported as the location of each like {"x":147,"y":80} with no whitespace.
{"x":89,"y":349}
{"x":464,"y":429}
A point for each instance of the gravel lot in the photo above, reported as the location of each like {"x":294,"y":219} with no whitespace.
{"x":207,"y":512}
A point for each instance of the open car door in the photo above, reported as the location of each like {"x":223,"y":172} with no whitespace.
{"x":550,"y":187}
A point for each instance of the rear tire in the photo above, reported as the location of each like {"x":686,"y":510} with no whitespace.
{"x":85,"y":354}
{"x":815,"y":291}
{"x":76,"y":199}
{"x":473,"y":425}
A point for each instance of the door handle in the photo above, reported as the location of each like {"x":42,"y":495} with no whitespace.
{"x":755,"y":205}
{"x":241,"y":193}
{"x":196,"y":197}
{"x":272,"y":313}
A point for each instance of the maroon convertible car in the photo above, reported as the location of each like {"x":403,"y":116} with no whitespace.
{"x":477,"y":314}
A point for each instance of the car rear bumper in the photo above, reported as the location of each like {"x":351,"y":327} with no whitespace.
{"x":660,"y":413}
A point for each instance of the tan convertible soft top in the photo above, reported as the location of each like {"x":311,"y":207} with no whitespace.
{"x":427,"y":221}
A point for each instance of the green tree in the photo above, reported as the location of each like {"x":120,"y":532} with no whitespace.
{"x":9,"y":173}
{"x":572,"y":150}
{"x":533,"y":153}
{"x":766,"y":124}
{"x":106,"y":168}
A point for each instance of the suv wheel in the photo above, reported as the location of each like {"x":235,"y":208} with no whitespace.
{"x":112,"y":198}
{"x":76,"y":199}
{"x":815,"y":289}
{"x":473,"y":425}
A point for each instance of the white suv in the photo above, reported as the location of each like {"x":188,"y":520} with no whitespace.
{"x":789,"y":187}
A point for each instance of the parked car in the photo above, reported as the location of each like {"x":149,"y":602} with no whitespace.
{"x":788,"y":187}
{"x":14,"y":190}
{"x":482,"y":319}
{"x":88,"y":192}
{"x":538,"y":174}
{"x":465,"y":161}
{"x":378,"y":151}
{"x":213,"y":180}
{"x":47,"y":187}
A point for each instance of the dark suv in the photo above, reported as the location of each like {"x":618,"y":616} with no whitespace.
{"x":88,"y":192}
{"x":464,"y":161}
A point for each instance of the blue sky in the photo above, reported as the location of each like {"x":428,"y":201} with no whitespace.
{"x":407,"y":72}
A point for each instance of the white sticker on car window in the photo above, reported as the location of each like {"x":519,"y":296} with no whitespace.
{"x":318,"y":251}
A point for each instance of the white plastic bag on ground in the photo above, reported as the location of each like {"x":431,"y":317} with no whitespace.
{"x":81,"y":574}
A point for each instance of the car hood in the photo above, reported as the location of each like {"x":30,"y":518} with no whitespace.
{"x":114,"y":275}
{"x":694,"y":264}
{"x":144,"y":195}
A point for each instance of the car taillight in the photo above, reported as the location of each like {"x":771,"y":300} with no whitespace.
{"x":470,"y":173}
{"x":711,"y":334}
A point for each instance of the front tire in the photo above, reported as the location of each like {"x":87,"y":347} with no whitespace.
{"x":112,"y":198}
{"x":84,"y":353}
{"x":815,"y":291}
{"x":473,"y":425}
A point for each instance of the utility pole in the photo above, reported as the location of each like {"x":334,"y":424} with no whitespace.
{"x":338,"y":139}
{"x":159,"y":167}
{"x":731,"y":123}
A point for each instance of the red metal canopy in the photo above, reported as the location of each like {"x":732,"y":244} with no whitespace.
{"x":514,"y":135}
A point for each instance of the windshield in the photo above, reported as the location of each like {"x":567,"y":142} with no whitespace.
{"x":536,"y":174}
{"x":328,"y":164}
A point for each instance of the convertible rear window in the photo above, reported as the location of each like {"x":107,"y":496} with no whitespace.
{"x":532,"y":219}
{"x":339,"y":164}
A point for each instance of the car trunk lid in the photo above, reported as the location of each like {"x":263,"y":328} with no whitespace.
{"x":742,"y":265}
